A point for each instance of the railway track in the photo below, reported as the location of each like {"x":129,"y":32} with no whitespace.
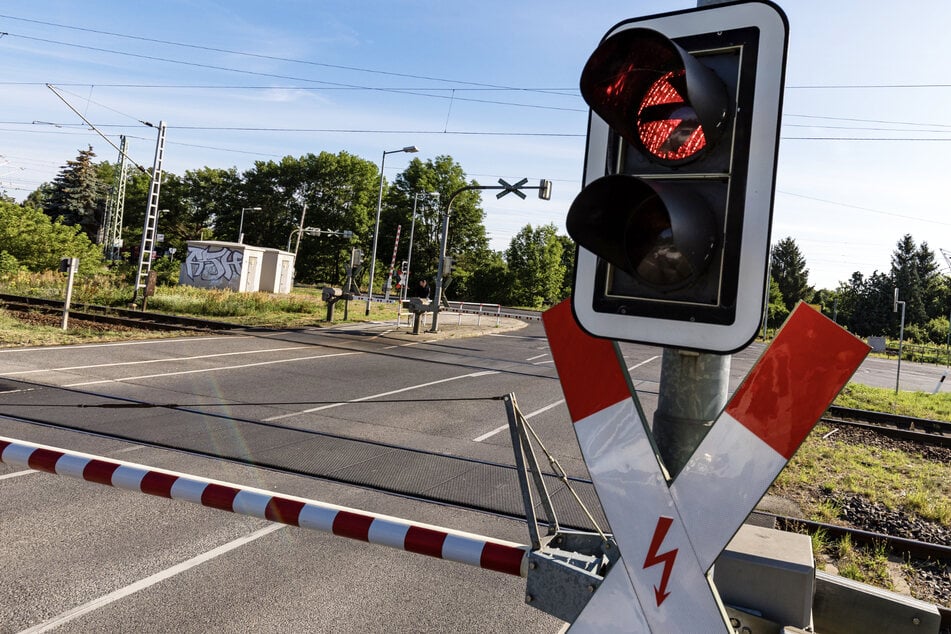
{"x":111,"y":315}
{"x":930,"y":432}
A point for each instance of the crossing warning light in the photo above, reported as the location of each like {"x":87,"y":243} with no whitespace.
{"x":673,"y":222}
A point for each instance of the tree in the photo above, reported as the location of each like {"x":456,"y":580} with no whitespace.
{"x":776,"y":311}
{"x":788,"y":268}
{"x":491,"y":282}
{"x":535,"y":261}
{"x":39,"y":197}
{"x":865,"y":305}
{"x":338,"y":191}
{"x":78,"y":196}
{"x":915,"y":274}
{"x":468,"y":245}
{"x":568,"y":251}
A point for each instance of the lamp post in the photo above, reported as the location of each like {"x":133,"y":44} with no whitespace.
{"x":241,"y":226}
{"x":901,"y":337}
{"x":412,"y":230}
{"x":410,"y":149}
{"x":544,"y":193}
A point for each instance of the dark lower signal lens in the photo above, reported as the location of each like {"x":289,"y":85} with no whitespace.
{"x":655,"y":259}
{"x":668,"y":247}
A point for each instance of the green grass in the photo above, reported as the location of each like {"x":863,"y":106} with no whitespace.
{"x":877,"y":399}
{"x":303,"y":307}
{"x":896,"y":479}
{"x":864,"y":564}
{"x":15,"y":332}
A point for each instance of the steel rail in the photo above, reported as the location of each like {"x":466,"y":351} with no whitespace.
{"x":115,"y":316}
{"x":933,"y":432}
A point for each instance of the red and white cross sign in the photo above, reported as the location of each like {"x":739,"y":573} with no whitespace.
{"x":670,"y":533}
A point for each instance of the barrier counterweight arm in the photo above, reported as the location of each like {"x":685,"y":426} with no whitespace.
{"x":424,"y":539}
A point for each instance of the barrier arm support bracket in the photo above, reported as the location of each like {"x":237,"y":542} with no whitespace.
{"x":564,"y":567}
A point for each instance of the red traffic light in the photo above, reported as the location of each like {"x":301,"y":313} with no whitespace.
{"x":673,"y":219}
{"x":657,"y":96}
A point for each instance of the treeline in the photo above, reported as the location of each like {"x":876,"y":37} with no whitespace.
{"x":865,"y":304}
{"x":338,"y":192}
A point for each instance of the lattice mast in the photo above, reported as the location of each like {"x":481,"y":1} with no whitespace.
{"x":112,"y":223}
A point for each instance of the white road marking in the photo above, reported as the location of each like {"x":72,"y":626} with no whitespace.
{"x":118,"y":344}
{"x":149,"y":581}
{"x":538,"y":356}
{"x":380,"y":395}
{"x":547,"y":407}
{"x":645,"y":362}
{"x":148,"y":361}
{"x":527,"y":416}
{"x":17,"y":474}
{"x":404,"y":345}
{"x":218,"y":369}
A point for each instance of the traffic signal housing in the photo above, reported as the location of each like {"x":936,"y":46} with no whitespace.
{"x":673,"y":221}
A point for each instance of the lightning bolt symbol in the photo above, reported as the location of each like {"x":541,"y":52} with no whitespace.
{"x":653,"y":558}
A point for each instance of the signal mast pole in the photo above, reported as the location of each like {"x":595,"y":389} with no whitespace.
{"x":112,"y":223}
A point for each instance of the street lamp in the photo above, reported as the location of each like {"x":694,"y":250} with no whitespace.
{"x":901,"y":337}
{"x":412,"y":230}
{"x":409,"y":149}
{"x":241,"y":226}
{"x":544,"y":192}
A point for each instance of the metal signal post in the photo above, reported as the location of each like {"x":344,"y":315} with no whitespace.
{"x":544,"y":192}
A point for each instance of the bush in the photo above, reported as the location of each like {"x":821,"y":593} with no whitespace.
{"x":38,"y":244}
{"x":8,"y":264}
{"x":916,"y":333}
{"x":937,"y":330}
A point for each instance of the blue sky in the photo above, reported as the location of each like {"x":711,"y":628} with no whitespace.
{"x":365,"y":77}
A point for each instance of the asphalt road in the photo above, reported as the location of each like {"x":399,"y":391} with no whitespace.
{"x":97,"y":559}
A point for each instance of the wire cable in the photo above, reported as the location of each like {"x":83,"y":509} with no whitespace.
{"x":156,"y":58}
{"x":479,"y":85}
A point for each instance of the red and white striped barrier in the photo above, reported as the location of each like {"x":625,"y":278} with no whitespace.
{"x":424,"y":539}
{"x":670,"y":533}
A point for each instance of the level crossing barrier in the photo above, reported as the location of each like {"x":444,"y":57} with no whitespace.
{"x":424,"y":539}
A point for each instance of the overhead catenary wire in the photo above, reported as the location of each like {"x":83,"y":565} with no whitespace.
{"x":477,"y":85}
{"x":106,"y":138}
{"x":156,"y":58}
{"x":862,"y":208}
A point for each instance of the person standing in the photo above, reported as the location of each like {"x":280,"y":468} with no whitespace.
{"x":422,"y":291}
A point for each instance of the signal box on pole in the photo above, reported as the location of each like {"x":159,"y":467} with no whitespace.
{"x":673,"y":221}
